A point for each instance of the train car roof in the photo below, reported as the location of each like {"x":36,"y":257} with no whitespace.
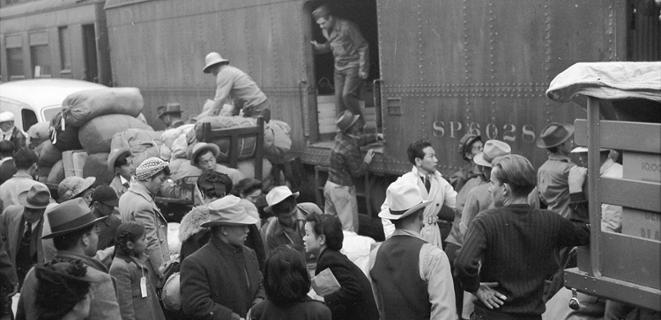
{"x":43,"y":92}
{"x":608,"y":80}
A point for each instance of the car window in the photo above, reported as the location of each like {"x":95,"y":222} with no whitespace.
{"x":29,"y":118}
{"x":50,"y":112}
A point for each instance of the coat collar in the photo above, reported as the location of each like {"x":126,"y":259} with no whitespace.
{"x":70,"y":255}
{"x":224,"y":248}
{"x":434,"y":176}
{"x":559,"y":157}
{"x":141,"y":190}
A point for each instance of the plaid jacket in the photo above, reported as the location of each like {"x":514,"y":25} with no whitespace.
{"x":346,"y":160}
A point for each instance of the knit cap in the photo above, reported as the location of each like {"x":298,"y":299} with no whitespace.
{"x":149,"y":168}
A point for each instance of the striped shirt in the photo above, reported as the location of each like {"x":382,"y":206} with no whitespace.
{"x":516,"y":246}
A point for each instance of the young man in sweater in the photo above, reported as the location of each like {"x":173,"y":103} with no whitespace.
{"x":510,"y":250}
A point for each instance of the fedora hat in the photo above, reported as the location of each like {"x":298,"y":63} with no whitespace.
{"x":212,"y":59}
{"x":277,"y":195}
{"x":402,"y":199}
{"x":116,"y":154}
{"x":201,"y":147}
{"x":170,"y":108}
{"x":70,"y":216}
{"x":73,"y":186}
{"x":37,"y":197}
{"x":229,"y":210}
{"x":554,"y":134}
{"x":491,"y":150}
{"x":346,"y":120}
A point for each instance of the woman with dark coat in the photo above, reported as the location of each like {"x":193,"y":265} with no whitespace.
{"x":354,"y":300}
{"x":287,"y":283}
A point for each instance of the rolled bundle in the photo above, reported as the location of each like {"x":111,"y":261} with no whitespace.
{"x":83,"y":106}
{"x":96,"y":135}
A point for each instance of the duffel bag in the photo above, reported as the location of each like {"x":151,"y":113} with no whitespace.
{"x":83,"y":106}
{"x":63,"y":136}
{"x":56,"y":174}
{"x":96,"y":135}
{"x":48,"y":154}
{"x":137,"y":158}
{"x":137,"y":140}
{"x":277,"y":139}
{"x":96,"y":165}
{"x":39,"y":132}
{"x":181,"y":168}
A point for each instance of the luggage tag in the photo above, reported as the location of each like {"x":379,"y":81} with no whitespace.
{"x":143,"y":287}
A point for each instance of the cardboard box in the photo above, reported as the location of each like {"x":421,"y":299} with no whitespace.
{"x":642,"y":166}
{"x":644,"y":224}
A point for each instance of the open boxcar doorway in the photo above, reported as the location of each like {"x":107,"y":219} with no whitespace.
{"x":363,"y":13}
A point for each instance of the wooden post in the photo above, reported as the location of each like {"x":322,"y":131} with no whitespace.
{"x":594,"y":197}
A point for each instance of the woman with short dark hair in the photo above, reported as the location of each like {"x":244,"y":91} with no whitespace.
{"x":354,"y":300}
{"x":286,"y":282}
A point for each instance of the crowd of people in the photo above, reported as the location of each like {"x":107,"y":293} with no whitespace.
{"x":487,"y":242}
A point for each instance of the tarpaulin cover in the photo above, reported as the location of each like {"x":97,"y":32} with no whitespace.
{"x":608,"y":80}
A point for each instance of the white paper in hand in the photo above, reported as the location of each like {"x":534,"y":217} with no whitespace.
{"x":325,"y":283}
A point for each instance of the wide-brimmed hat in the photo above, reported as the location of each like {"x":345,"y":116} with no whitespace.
{"x":202,"y":147}
{"x":466,"y":142}
{"x":554,"y":134}
{"x":116,"y":154}
{"x":491,"y":150}
{"x":69,"y":216}
{"x":37,"y":197}
{"x":170,"y":108}
{"x":346,"y":120}
{"x":278,"y":194}
{"x":229,"y":210}
{"x":212,"y":59}
{"x":7,"y":116}
{"x":149,"y":168}
{"x":106,"y":195}
{"x":402,"y":199}
{"x":73,"y":186}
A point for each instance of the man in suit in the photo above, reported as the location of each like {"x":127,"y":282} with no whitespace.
{"x":354,"y":300}
{"x":433,"y":187}
{"x":22,"y":226}
{"x":73,"y":231}
{"x":411,"y":279}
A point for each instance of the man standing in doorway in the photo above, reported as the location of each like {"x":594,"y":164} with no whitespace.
{"x":351,"y":54}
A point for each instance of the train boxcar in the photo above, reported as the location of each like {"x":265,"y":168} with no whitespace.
{"x":439,"y":69}
{"x":54,"y":39}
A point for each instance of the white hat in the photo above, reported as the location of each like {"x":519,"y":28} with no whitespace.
{"x":277,"y":195}
{"x":402,"y":199}
{"x":491,"y":150}
{"x":213,"y":58}
{"x":6,"y":116}
{"x":229,"y":210}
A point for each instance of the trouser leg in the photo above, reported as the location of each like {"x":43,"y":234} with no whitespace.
{"x":351,"y":91}
{"x":345,"y":204}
